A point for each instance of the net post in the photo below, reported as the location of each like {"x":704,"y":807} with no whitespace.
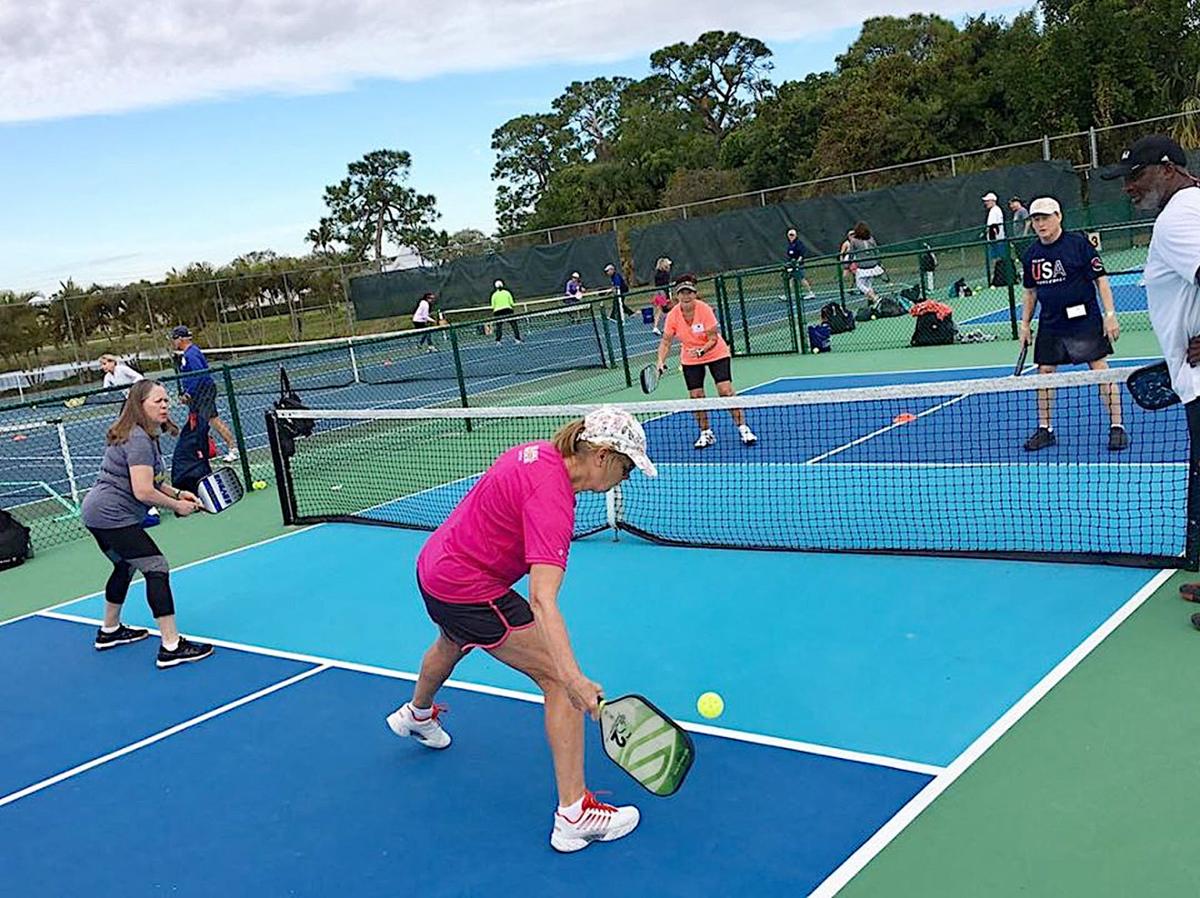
{"x":353,"y":360}
{"x":612,"y":501}
{"x":236,"y":418}
{"x":605,"y":360}
{"x":65,"y":448}
{"x":283,"y":474}
{"x":621,"y":342}
{"x":791,"y":292}
{"x":458,"y":370}
{"x":742,"y":305}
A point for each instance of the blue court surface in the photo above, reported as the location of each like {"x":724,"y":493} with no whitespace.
{"x":1129,"y":295}
{"x":857,"y":688}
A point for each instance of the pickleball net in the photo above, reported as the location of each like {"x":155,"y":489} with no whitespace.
{"x":922,"y":468}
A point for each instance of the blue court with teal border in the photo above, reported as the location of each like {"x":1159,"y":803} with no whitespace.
{"x":851,"y":683}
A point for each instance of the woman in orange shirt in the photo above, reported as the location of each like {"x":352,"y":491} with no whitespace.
{"x":693,"y":323}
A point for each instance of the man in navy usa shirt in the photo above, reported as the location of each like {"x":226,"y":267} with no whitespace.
{"x":199,"y":389}
{"x":620,"y":290}
{"x":1062,"y":274}
{"x":796,"y":251}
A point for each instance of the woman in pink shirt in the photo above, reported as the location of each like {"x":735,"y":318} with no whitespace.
{"x":694,"y":324}
{"x":518,"y":519}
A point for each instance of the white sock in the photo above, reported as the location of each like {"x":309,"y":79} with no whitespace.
{"x":112,"y":629}
{"x":572,"y":811}
{"x":423,"y":712}
{"x":170,"y":647}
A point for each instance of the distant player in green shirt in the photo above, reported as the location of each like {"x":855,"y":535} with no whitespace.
{"x":504,"y":306}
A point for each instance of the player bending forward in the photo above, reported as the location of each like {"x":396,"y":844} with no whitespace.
{"x":517,"y":520}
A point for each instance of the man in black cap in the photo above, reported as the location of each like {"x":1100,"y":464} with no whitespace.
{"x":199,"y":389}
{"x":1157,"y":180}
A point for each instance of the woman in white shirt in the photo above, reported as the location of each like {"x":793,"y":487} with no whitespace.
{"x":117,"y":373}
{"x":423,"y":318}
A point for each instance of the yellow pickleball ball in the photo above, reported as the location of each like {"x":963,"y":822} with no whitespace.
{"x":710,"y":705}
{"x":260,"y":484}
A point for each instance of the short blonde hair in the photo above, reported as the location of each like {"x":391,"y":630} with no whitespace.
{"x":109,"y":357}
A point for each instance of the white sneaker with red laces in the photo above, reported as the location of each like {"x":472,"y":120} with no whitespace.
{"x":597,"y":822}
{"x":422,"y":725}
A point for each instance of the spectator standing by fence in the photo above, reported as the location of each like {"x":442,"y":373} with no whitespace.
{"x":1020,"y":218}
{"x":796,"y":251}
{"x":199,"y":389}
{"x":993,"y":233}
{"x":620,"y":291}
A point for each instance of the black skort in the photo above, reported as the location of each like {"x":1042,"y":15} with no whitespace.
{"x":204,"y":401}
{"x":693,"y":375}
{"x":483,"y":625}
{"x":1070,"y":349}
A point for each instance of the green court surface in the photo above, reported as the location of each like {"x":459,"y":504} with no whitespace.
{"x":1092,"y":792}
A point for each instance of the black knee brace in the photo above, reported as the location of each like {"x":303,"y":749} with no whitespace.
{"x":158,"y":593}
{"x":118,"y":583}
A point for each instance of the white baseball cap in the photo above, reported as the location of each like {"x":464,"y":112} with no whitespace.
{"x":1045,"y":205}
{"x":499,"y":284}
{"x":989,"y":196}
{"x":617,"y":429}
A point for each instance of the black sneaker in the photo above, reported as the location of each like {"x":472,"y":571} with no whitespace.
{"x":1118,"y":439}
{"x":184,"y":652}
{"x":1196,"y":621}
{"x":1042,"y":437}
{"x":123,"y":635}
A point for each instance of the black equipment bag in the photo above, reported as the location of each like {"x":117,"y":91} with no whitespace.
{"x":837,"y":317}
{"x":15,"y":546}
{"x":932,"y":331}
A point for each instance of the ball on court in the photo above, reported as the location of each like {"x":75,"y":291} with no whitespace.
{"x":710,"y":705}
{"x":259,"y":484}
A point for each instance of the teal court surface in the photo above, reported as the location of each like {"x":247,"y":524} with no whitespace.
{"x":856,"y":687}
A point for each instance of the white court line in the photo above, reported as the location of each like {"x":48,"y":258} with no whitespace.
{"x":883,"y":430}
{"x":885,"y":834}
{"x":534,"y":698}
{"x":182,"y":567}
{"x":159,"y":736}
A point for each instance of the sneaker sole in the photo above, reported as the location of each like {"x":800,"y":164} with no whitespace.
{"x":175,"y":662}
{"x":404,"y":733}
{"x":102,"y":646}
{"x":565,"y":845}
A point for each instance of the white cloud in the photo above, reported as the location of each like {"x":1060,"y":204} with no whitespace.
{"x":64,"y":58}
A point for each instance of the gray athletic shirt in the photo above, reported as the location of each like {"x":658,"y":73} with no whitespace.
{"x":864,"y":252}
{"x":110,"y":502}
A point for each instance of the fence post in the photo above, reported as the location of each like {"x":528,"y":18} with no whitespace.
{"x":1012,"y":292}
{"x":742,"y":306}
{"x":791,"y":290}
{"x":1092,"y":147}
{"x":236,"y":417}
{"x":853,"y":185}
{"x":723,"y":312}
{"x":953,"y":167}
{"x":1045,"y":147}
{"x":841,"y":283}
{"x":346,"y":295}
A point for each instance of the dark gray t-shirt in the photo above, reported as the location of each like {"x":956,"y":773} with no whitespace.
{"x":864,"y":252}
{"x":111,"y":502}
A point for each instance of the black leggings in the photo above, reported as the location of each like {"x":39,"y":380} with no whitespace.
{"x":499,"y":325}
{"x":130,"y":549}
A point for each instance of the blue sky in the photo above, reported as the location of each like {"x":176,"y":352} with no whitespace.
{"x":129,"y":193}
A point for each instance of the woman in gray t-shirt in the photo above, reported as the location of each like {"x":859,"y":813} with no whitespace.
{"x":864,"y":254}
{"x":132,"y":478}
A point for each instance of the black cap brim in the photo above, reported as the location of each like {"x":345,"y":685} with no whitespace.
{"x":1119,"y":170}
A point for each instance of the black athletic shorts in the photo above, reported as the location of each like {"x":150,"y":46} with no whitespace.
{"x":204,"y":401}
{"x":482,"y":625}
{"x":693,"y":375}
{"x":1070,"y":349}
